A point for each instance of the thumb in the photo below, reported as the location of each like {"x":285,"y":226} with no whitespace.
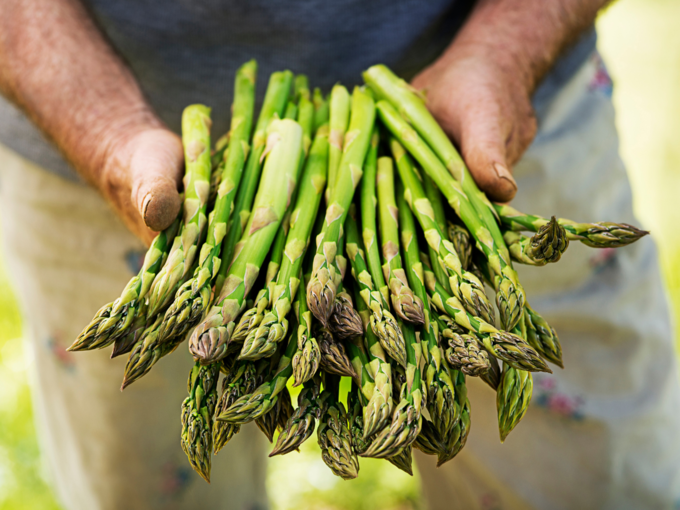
{"x":156,"y":169}
{"x":484,"y":149}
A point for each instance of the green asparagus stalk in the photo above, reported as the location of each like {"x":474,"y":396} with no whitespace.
{"x":114,"y":320}
{"x":466,"y":287}
{"x":382,"y":322}
{"x":492,"y":377}
{"x":241,"y":380}
{"x":460,"y":239}
{"x":209,"y":340}
{"x":369,"y":205}
{"x":197,"y":413}
{"x":264,"y":334}
{"x":282,"y":410}
{"x":440,"y":390}
{"x":321,"y":113}
{"x":356,"y":421}
{"x":435,"y":197}
{"x":339,"y":107}
{"x":545,"y":247}
{"x":512,"y":398}
{"x":263,"y":399}
{"x":194,"y":297}
{"x":301,"y":424}
{"x":509,"y":292}
{"x":596,"y":235}
{"x":291,"y":111}
{"x":456,"y":440}
{"x":542,"y":337}
{"x":465,"y":353}
{"x":335,"y":439}
{"x":306,"y":359}
{"x":361,"y":364}
{"x":196,"y":140}
{"x":378,"y":408}
{"x":125,"y":343}
{"x":323,"y":284}
{"x":501,"y":344}
{"x":428,"y":441}
{"x":406,"y":304}
{"x":406,"y":419}
{"x":274,"y":104}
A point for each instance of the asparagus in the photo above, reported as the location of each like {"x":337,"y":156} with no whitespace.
{"x":197,"y":412}
{"x":194,"y":297}
{"x":596,"y":235}
{"x":356,"y":420}
{"x":291,"y":111}
{"x":323,"y":285}
{"x":428,"y":441}
{"x":492,"y":377}
{"x":241,"y":380}
{"x":263,"y":335}
{"x":344,"y":322}
{"x":196,"y":140}
{"x":262,"y":400}
{"x":440,"y":391}
{"x":460,"y":239}
{"x":335,"y":440}
{"x":512,"y":398}
{"x":406,"y":305}
{"x":545,"y":247}
{"x":125,"y":343}
{"x":339,"y":107}
{"x":501,"y":344}
{"x":114,"y":320}
{"x":280,"y":413}
{"x":382,"y":322}
{"x":465,"y":286}
{"x":273,"y":106}
{"x":464,"y":353}
{"x":403,"y":460}
{"x":378,"y":408}
{"x":333,"y":359}
{"x":209,"y":340}
{"x":320,"y":109}
{"x":306,"y":359}
{"x":406,"y":419}
{"x":542,"y":337}
{"x":300,"y":426}
{"x":456,"y":440}
{"x":509,"y":292}
{"x":437,"y":202}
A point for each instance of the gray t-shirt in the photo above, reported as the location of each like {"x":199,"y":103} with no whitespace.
{"x":186,"y":51}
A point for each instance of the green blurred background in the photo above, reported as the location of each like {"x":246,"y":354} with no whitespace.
{"x":640,"y":43}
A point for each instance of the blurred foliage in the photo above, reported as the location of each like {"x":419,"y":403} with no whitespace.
{"x":641,"y":45}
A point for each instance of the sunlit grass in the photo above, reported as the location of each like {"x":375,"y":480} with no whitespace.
{"x":641,"y":44}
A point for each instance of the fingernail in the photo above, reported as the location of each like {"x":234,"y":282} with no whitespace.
{"x":503,"y":173}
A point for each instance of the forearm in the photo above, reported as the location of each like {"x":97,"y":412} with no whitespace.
{"x":524,"y":36}
{"x":57,"y":67}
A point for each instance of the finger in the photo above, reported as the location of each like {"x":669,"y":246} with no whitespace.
{"x":156,"y":169}
{"x":483,"y":147}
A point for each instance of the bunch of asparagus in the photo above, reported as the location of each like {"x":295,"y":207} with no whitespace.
{"x":391,"y":294}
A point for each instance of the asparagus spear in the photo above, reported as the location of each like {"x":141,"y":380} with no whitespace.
{"x":320,"y":109}
{"x":240,"y":380}
{"x":403,"y":460}
{"x":382,"y":322}
{"x":263,"y":335}
{"x":252,"y":406}
{"x":437,"y":202}
{"x":308,"y":355}
{"x":542,"y":337}
{"x":339,"y":107}
{"x":335,"y":440}
{"x":509,"y":292}
{"x":407,"y":305}
{"x":300,"y":426}
{"x":440,"y":390}
{"x":406,"y":419}
{"x":512,"y":398}
{"x":197,"y":412}
{"x":456,"y":440}
{"x":323,"y":285}
{"x":596,"y":235}
{"x":209,"y":340}
{"x":501,"y":344}
{"x":273,"y":106}
{"x":492,"y":377}
{"x":344,"y":323}
{"x":114,"y":320}
{"x":545,"y":247}
{"x":356,"y":420}
{"x":196,"y":140}
{"x":464,"y":353}
{"x":291,"y":111}
{"x":333,"y":359}
{"x":466,"y":287}
{"x":280,"y":413}
{"x":428,"y":441}
{"x":460,"y":239}
{"x":194,"y":297}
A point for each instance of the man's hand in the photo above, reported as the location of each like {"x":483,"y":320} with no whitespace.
{"x":480,"y":89}
{"x":57,"y":67}
{"x":139,"y":179}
